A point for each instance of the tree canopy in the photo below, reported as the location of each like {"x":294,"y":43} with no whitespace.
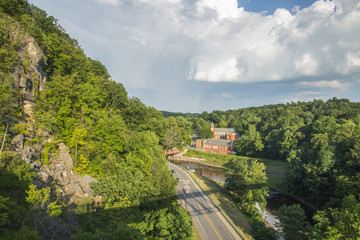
{"x":116,"y":139}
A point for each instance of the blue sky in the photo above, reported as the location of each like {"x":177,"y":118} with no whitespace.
{"x":205,"y":55}
{"x":270,"y":6}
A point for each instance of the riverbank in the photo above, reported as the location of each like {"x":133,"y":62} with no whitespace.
{"x":275,"y":170}
{"x":202,"y":161}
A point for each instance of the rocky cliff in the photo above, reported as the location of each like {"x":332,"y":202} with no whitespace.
{"x":55,"y":170}
{"x":30,"y":76}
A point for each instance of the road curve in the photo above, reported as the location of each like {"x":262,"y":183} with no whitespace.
{"x":206,"y":217}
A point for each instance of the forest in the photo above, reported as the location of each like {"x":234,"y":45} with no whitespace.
{"x":321,"y":142}
{"x":116,"y":139}
{"x":121,"y":142}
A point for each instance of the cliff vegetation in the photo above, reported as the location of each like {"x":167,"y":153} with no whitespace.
{"x":79,"y":158}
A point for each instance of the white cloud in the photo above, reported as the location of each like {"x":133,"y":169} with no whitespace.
{"x":323,"y":7}
{"x":325,"y":84}
{"x":309,"y":42}
{"x":306,"y":65}
{"x":223,"y":9}
{"x":353,"y":59}
{"x":223,"y":70}
{"x":109,"y":2}
{"x":216,"y":41}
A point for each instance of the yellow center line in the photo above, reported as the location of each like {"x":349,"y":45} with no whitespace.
{"x":201,"y":209}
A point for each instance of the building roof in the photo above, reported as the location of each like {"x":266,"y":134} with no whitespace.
{"x":220,"y":142}
{"x":227,"y":131}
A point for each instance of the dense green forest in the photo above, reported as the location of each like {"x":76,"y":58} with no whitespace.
{"x":114,"y":138}
{"x":321,"y":142}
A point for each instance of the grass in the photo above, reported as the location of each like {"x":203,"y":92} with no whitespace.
{"x":196,"y":233}
{"x":275,"y":169}
{"x":222,"y":199}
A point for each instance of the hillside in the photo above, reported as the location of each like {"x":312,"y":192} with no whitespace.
{"x":320,"y":141}
{"x":79,"y":158}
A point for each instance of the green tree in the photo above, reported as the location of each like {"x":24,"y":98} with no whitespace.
{"x":9,"y":98}
{"x":339,"y":223}
{"x":246,"y":180}
{"x":77,"y":140}
{"x":40,"y":204}
{"x":16,"y":221}
{"x":172,"y":139}
{"x":293,"y":222}
{"x":124,"y":189}
{"x":261,"y":232}
{"x":250,"y":143}
{"x":13,"y":7}
{"x":205,"y":133}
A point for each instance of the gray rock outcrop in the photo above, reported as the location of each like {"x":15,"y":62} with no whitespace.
{"x":71,"y":185}
{"x":64,"y":162}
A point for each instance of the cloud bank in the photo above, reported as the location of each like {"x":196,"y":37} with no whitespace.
{"x":224,"y":43}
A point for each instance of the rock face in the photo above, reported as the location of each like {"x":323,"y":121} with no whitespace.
{"x":30,"y":74}
{"x":64,"y":162}
{"x":70,"y":185}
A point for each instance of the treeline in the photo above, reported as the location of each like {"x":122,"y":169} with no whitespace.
{"x":321,"y":142}
{"x":116,"y":139}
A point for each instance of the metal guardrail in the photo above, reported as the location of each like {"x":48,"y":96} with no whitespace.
{"x":241,"y":234}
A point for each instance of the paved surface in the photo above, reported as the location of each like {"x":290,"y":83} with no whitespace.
{"x":206,"y":217}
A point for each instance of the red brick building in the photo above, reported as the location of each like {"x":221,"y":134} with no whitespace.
{"x":224,"y":133}
{"x":221,"y":146}
{"x":222,"y":142}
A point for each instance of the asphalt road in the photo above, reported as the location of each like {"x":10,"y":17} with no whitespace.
{"x":206,"y":217}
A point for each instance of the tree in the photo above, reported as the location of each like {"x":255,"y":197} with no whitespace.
{"x":16,"y":220}
{"x":293,"y":222}
{"x":250,"y":142}
{"x":40,"y":204}
{"x":261,"y":232}
{"x":198,"y":123}
{"x":172,"y":139}
{"x":205,"y":133}
{"x":13,"y":7}
{"x":338,"y":223}
{"x":246,"y":179}
{"x":9,"y":98}
{"x":124,"y":189}
{"x":77,"y":140}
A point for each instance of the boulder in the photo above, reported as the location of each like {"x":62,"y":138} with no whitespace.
{"x":28,"y":152}
{"x":85,"y":183}
{"x":36,"y":165}
{"x":74,"y":190}
{"x":65,"y":158}
{"x":18,"y":142}
{"x":44,"y":177}
{"x":45,"y":169}
{"x":62,"y":178}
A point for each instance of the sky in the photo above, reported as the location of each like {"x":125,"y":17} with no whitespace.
{"x":204,"y":55}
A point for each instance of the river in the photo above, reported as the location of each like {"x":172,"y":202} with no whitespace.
{"x":274,"y":201}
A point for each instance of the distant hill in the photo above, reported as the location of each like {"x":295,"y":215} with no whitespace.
{"x":167,"y":114}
